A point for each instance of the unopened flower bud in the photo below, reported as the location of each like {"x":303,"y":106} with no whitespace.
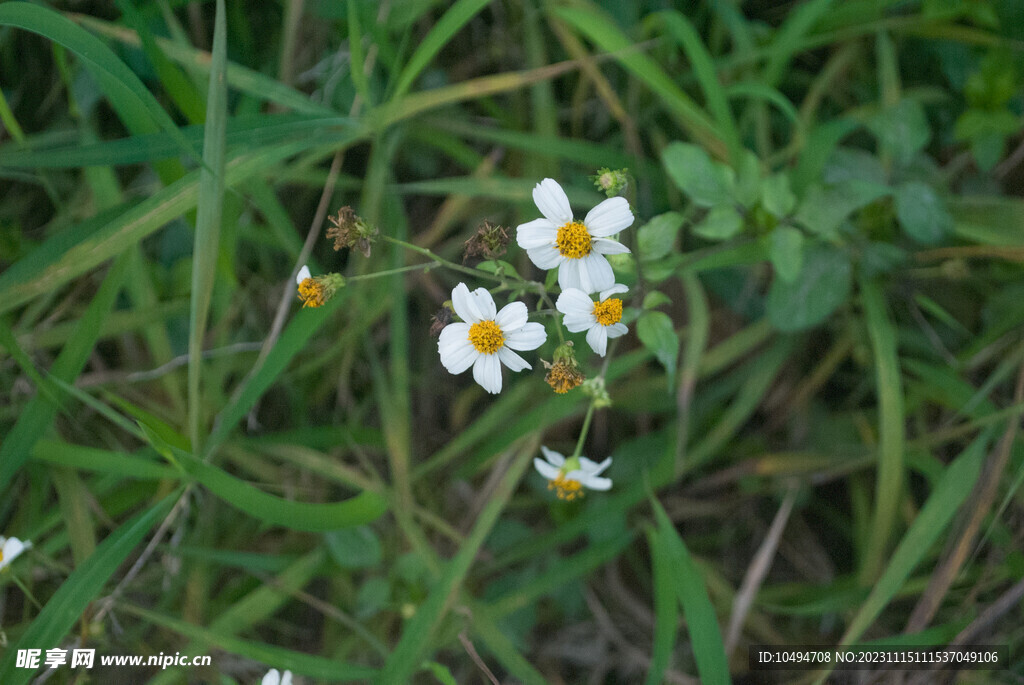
{"x":611,"y":183}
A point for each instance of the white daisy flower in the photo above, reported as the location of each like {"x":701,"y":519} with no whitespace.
{"x":599,"y":319}
{"x":486,"y":337}
{"x":274,"y":677}
{"x":577,"y":248}
{"x":11,"y":549}
{"x":568,"y":477}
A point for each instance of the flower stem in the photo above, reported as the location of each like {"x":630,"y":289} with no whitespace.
{"x":389,"y":272}
{"x":441,"y":260}
{"x":583,"y":431}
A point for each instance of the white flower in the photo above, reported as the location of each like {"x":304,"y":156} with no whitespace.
{"x":568,"y":477}
{"x":599,"y":319}
{"x":273,"y":677}
{"x":485,"y":337}
{"x":11,"y":549}
{"x":577,"y":248}
{"x":302,"y":275}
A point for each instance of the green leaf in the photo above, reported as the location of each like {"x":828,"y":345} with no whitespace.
{"x":705,"y":633}
{"x":373,"y":595}
{"x":776,"y":195}
{"x":721,"y":223}
{"x":666,"y":608}
{"x":922,"y":213}
{"x":657,"y":237}
{"x":902,"y":130}
{"x":79,"y":589}
{"x":363,"y":508}
{"x":786,"y":250}
{"x":658,"y":334}
{"x":823,"y":286}
{"x":706,"y":183}
{"x":497,"y":266}
{"x":354,"y":547}
{"x":825,"y":208}
{"x":655,"y":299}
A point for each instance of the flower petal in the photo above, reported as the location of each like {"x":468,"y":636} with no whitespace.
{"x":616,"y":330}
{"x":512,"y":316}
{"x":609,"y":217}
{"x":464,"y":304}
{"x":286,"y":679}
{"x":553,"y":457}
{"x":512,"y":360}
{"x":536,"y":233}
{"x":456,"y":356}
{"x":608,"y":246}
{"x":487,"y":372}
{"x":596,"y":273}
{"x":552,"y":202}
{"x":484,"y":304}
{"x":597,"y":338}
{"x":597,"y":483}
{"x":569,"y":274}
{"x":12,"y":548}
{"x":614,"y":290}
{"x":529,"y":337}
{"x":545,"y":257}
{"x":592,"y":467}
{"x":545,"y":469}
{"x":302,"y":275}
{"x":273,"y":677}
{"x":574,"y":301}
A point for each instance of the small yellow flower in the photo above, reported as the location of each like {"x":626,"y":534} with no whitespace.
{"x":315,"y":292}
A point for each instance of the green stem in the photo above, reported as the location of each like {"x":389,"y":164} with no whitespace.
{"x":390,"y":272}
{"x":583,"y":431}
{"x":441,"y":260}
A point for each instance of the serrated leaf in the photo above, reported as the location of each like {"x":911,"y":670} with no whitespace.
{"x":705,"y":182}
{"x":658,"y":334}
{"x":902,"y":129}
{"x":823,"y":286}
{"x":776,"y":195}
{"x":657,"y":237}
{"x":825,"y":208}
{"x":786,"y":251}
{"x":354,"y":547}
{"x":721,"y":223}
{"x":922,"y":213}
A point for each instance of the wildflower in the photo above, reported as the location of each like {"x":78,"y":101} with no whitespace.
{"x":486,"y":336}
{"x":577,"y":248}
{"x":601,"y":319}
{"x":564,"y":374}
{"x":314,"y":292}
{"x":349,"y":230}
{"x":11,"y":549}
{"x":274,"y":677}
{"x":610,"y":182}
{"x":568,"y":477}
{"x":489,"y":242}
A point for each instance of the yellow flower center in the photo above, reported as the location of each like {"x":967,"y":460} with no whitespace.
{"x":566,"y":489}
{"x":608,"y":312}
{"x":312,"y":293}
{"x":486,"y":337}
{"x":563,"y":377}
{"x":573,"y":240}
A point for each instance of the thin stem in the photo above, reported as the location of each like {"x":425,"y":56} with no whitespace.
{"x":586,"y":429}
{"x":441,"y":260}
{"x":390,"y":272}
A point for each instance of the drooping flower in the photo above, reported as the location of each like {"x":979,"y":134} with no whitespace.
{"x":11,"y":549}
{"x":564,"y":374}
{"x":577,"y":248}
{"x":349,"y":230}
{"x":601,"y":319}
{"x":275,"y":677}
{"x":314,"y":292}
{"x":568,"y":477}
{"x":485,"y":337}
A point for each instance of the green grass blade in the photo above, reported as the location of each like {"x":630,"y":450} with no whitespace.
{"x":36,"y":417}
{"x":79,"y":589}
{"x":127,"y":94}
{"x":503,"y":648}
{"x":788,"y":40}
{"x":666,"y":609}
{"x":701,"y":620}
{"x":99,"y":460}
{"x":419,"y":631}
{"x":208,"y":218}
{"x":454,"y":18}
{"x":891,"y":427}
{"x":355,"y":511}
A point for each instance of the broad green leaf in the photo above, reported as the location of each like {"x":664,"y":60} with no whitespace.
{"x":655,"y":299}
{"x":922,"y":213}
{"x":363,"y":508}
{"x":706,"y":183}
{"x":701,"y":620}
{"x":825,"y":208}
{"x":786,"y":250}
{"x":823,"y":286}
{"x":776,"y":195}
{"x":354,"y":547}
{"x":657,"y":237}
{"x":902,"y":130}
{"x":721,"y":223}
{"x":658,"y":334}
{"x":80,"y":588}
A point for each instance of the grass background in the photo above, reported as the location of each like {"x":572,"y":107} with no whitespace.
{"x":815,"y":415}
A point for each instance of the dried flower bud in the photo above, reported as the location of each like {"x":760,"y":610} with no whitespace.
{"x":564,"y":374}
{"x":349,"y":230}
{"x":489,"y":242}
{"x":594,"y":388}
{"x":442,"y":318}
{"x":611,"y":183}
